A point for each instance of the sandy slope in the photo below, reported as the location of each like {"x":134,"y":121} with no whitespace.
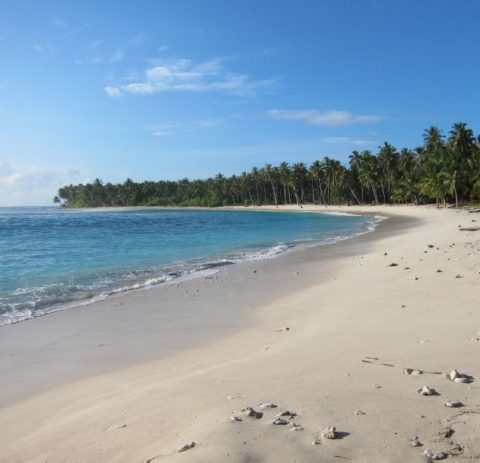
{"x":350,"y":337}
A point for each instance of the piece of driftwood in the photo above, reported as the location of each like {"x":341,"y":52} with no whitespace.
{"x":469,"y":228}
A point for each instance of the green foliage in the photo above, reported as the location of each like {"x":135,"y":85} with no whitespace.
{"x":440,"y":171}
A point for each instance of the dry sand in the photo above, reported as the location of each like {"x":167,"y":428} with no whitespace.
{"x":355,"y":322}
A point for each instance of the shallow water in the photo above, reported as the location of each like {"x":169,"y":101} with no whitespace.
{"x":52,"y":258}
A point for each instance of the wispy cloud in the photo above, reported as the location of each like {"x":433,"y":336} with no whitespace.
{"x":117,"y":56}
{"x":35,"y":185}
{"x":94,"y":44}
{"x":64,"y":26}
{"x":47,"y":50}
{"x":162,"y":130}
{"x":324,"y":118}
{"x":183,"y":75}
{"x":59,"y":23}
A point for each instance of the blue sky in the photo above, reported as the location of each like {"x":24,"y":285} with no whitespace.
{"x":172,"y":89}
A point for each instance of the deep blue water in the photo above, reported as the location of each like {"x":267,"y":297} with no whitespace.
{"x":52,"y":258}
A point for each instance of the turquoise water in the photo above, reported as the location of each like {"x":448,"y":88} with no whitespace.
{"x":52,"y":258}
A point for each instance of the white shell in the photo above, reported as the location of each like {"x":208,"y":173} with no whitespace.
{"x":435,"y":454}
{"x":268,"y":405}
{"x":453,"y":404}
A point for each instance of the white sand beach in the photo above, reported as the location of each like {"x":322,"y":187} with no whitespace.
{"x":330,"y":334}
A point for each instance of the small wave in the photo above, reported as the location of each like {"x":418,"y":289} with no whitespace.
{"x":30,"y":302}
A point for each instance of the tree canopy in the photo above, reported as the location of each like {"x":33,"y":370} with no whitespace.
{"x":443,"y":169}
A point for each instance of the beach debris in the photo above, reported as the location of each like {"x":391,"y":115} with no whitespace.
{"x":457,"y":377}
{"x":279,"y":421}
{"x":249,"y":411}
{"x":117,"y":426}
{"x":231,"y":397}
{"x":430,"y":246}
{"x":393,"y":264}
{"x":330,"y":432}
{"x":435,"y":454}
{"x":316,"y":441}
{"x":374,"y":360}
{"x":296,"y":427}
{"x":459,"y":276}
{"x":427,"y":391}
{"x":439,"y":271}
{"x":446,"y":433}
{"x":289,"y":413}
{"x":453,"y":374}
{"x":406,"y":268}
{"x":285,"y":328}
{"x":186,"y":446}
{"x":414,"y":442}
{"x":234,"y":419}
{"x":416,"y":278}
{"x":412,"y":371}
{"x":462,"y":379}
{"x":385,"y":253}
{"x":268,"y":405}
{"x":359,"y":412}
{"x":469,"y":228}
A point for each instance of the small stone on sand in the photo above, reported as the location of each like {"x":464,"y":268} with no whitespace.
{"x":296,"y":427}
{"x":287,"y":413}
{"x":234,"y":419}
{"x":359,"y":412}
{"x":453,"y":404}
{"x":461,"y":379}
{"x":393,"y":264}
{"x":414,"y":442}
{"x":249,"y":411}
{"x":117,"y":426}
{"x":268,"y":405}
{"x":434,"y":454}
{"x":279,"y":421}
{"x":185,"y":447}
{"x":329,"y":432}
{"x":427,"y":391}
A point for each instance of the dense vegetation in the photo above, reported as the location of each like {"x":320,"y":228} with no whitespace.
{"x":441,"y":170}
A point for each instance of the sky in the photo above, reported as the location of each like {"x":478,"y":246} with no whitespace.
{"x":157,"y":89}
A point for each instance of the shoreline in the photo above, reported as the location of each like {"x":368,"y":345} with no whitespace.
{"x":99,"y":352}
{"x":191,"y":269}
{"x":356,"y":308}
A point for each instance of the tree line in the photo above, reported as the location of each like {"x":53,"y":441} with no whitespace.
{"x":443,"y":169}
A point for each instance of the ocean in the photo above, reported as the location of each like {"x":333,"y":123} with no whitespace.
{"x":53,"y":259}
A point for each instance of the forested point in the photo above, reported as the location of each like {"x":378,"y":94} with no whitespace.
{"x":442,"y":170}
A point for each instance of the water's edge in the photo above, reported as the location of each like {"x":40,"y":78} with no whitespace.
{"x":190,"y":270}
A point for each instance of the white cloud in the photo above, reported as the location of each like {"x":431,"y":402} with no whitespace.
{"x":117,"y":56}
{"x":47,"y":50}
{"x":94,"y":44}
{"x":162,"y":130}
{"x":60,"y":23}
{"x":323,"y":118}
{"x":182,"y":75}
{"x":112,"y":91}
{"x":35,"y":185}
